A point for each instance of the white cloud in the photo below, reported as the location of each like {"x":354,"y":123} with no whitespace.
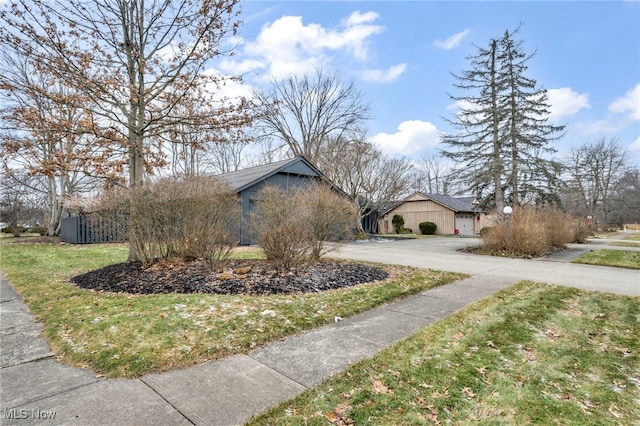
{"x":453,"y":41}
{"x":635,"y":145}
{"x":564,"y":102}
{"x":630,"y":102}
{"x":288,"y":46}
{"x":467,"y":106}
{"x":229,"y":90}
{"x":357,"y":18}
{"x":383,"y":76}
{"x":412,"y":135}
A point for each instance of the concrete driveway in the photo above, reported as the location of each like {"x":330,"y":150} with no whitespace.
{"x":441,"y":253}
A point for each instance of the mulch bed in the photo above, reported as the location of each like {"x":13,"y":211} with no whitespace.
{"x":249,"y":277}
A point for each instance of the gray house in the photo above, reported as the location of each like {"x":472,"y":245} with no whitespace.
{"x":247,"y":183}
{"x":291,"y":173}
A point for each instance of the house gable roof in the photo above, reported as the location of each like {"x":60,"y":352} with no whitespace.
{"x":246,"y":178}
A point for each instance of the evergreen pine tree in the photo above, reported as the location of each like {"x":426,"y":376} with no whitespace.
{"x":503,"y":132}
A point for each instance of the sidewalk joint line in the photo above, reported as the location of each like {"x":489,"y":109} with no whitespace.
{"x":167,"y":401}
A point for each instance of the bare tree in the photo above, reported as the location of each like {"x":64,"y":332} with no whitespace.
{"x":370,"y":178}
{"x":304,"y":112}
{"x":213,"y":151}
{"x":47,"y":133}
{"x":19,"y":204}
{"x":135,"y":60}
{"x":626,"y":204}
{"x":434,"y":175}
{"x":595,"y":170}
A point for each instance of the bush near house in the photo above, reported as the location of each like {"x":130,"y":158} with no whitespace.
{"x":197,"y":217}
{"x":398,"y":223}
{"x":533,"y":231}
{"x":428,"y":228}
{"x":292,"y":225}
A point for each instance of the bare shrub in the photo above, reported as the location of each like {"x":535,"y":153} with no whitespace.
{"x":193,"y":218}
{"x":210,"y":222}
{"x":331,"y":217}
{"x":581,"y":230}
{"x":280,"y":224}
{"x":293,"y":225}
{"x":559,"y":226}
{"x":531,"y":231}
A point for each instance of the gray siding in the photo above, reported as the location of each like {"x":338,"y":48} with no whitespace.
{"x":282,"y":180}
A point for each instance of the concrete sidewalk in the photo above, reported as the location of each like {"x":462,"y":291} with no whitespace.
{"x":35,"y":388}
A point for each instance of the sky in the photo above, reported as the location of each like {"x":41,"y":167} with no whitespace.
{"x":401,"y":56}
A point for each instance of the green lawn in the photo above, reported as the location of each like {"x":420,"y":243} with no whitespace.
{"x":634,"y":236}
{"x":626,"y":244}
{"x":122,"y":335}
{"x":531,"y":354}
{"x":608,"y":257}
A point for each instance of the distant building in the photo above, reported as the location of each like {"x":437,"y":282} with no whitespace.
{"x":447,"y":212}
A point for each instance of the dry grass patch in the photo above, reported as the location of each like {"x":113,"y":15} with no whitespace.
{"x":123,"y":335}
{"x":606,"y":257}
{"x":531,"y":354}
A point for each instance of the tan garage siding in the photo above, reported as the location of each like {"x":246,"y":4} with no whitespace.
{"x":416,"y":212}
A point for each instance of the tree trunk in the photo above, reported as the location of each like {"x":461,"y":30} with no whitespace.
{"x":497,"y":161}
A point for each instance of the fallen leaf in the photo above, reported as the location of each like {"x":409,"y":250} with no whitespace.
{"x":350,"y":393}
{"x":553,"y":334}
{"x":379,"y":387}
{"x":468,"y":393}
{"x":586,"y":404}
{"x":437,"y":394}
{"x":614,"y":410}
{"x":458,"y":335}
{"x":339,"y":416}
{"x":395,"y":373}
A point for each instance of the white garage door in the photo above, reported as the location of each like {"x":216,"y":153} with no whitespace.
{"x":464,"y":224}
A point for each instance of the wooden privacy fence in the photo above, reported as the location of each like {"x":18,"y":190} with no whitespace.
{"x":89,"y":229}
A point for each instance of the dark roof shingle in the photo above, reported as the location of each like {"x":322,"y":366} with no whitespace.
{"x":241,"y":179}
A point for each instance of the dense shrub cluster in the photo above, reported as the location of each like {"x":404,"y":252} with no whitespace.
{"x":293,"y":225}
{"x":193,"y":218}
{"x":427,"y":228}
{"x":533,"y":231}
{"x":15,"y":230}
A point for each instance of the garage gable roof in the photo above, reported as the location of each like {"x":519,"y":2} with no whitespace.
{"x":456,"y":204}
{"x":461,"y":204}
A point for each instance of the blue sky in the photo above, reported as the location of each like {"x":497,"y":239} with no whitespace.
{"x":400,"y":54}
